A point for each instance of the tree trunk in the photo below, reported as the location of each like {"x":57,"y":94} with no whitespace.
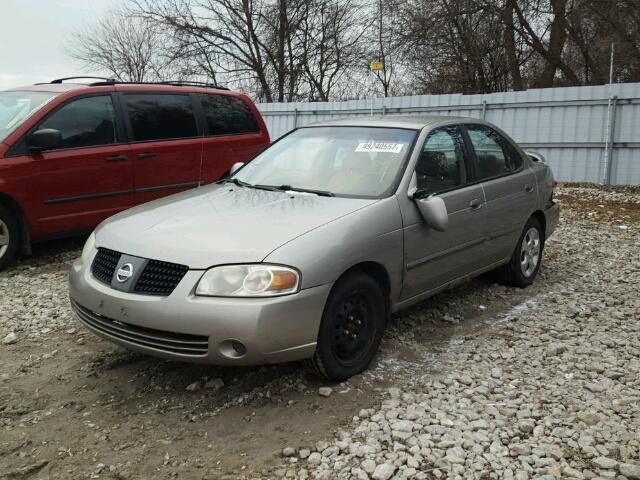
{"x":510,"y":46}
{"x":557,"y":40}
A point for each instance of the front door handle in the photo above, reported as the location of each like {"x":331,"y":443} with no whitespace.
{"x":475,"y":204}
{"x":117,"y":158}
{"x":147,"y":155}
{"x":528,"y":188}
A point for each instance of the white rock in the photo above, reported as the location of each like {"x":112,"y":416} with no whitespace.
{"x":325,"y":391}
{"x":605,"y":463}
{"x":10,"y":339}
{"x":631,"y":471}
{"x":384,"y":471}
{"x":288,"y":452}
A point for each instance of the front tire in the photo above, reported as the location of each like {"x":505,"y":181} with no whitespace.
{"x":352,"y":325}
{"x":525,"y":262}
{"x":9,"y":237}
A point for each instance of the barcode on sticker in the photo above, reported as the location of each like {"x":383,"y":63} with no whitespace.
{"x":380,"y":147}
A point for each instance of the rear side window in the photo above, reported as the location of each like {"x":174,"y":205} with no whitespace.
{"x":441,"y":165}
{"x":495,"y":156}
{"x":228,"y":115}
{"x":161,"y":117}
{"x":86,"y":122}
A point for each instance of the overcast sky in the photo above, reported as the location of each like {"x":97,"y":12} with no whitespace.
{"x":35,"y":33}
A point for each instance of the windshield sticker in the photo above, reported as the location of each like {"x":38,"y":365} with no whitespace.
{"x":380,"y":147}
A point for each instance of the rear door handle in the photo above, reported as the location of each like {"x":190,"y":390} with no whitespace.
{"x":528,"y":188}
{"x":475,"y":204}
{"x":147,"y":155}
{"x":117,"y":158}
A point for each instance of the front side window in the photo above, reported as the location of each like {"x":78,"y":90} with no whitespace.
{"x":161,"y":116}
{"x":86,"y":122}
{"x":345,"y":161}
{"x":494,"y":155}
{"x":17,"y":106}
{"x":441,"y":165}
{"x":228,"y":115}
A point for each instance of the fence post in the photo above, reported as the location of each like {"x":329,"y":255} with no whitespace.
{"x":608,"y":148}
{"x":484,"y":109}
{"x":295,"y":118}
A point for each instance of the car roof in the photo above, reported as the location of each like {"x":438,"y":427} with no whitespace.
{"x":395,"y":121}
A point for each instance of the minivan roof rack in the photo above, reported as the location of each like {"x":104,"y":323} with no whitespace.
{"x":61,"y":80}
{"x":174,"y":83}
{"x":104,"y":81}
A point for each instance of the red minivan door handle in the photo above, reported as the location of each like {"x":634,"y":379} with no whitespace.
{"x":117,"y":158}
{"x":147,"y":155}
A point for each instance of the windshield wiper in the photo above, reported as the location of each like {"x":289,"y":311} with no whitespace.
{"x":240,"y":183}
{"x":235,"y":181}
{"x":322,"y":193}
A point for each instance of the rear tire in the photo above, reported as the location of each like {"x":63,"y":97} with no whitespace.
{"x":352,"y":325}
{"x":525,"y":262}
{"x":9,"y":237}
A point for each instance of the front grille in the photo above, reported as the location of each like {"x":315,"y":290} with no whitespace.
{"x":160,"y":278}
{"x":157,"y":278}
{"x":105,"y":264}
{"x":177,"y":343}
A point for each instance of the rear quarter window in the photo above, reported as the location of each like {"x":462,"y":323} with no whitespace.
{"x":226,"y":115}
{"x":160,"y":116}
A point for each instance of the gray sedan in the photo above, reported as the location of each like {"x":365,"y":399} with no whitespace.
{"x":304,"y":252}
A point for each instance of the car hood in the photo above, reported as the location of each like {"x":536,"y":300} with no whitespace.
{"x":220,"y":224}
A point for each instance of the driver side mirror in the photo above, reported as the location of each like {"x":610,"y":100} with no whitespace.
{"x":235,"y":167}
{"x":432,"y":208}
{"x":536,"y":157}
{"x":44,"y":139}
{"x":434,"y":212}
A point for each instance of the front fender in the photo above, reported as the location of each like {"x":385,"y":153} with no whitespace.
{"x":371,"y":234}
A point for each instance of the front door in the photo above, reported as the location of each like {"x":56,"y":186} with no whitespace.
{"x":434,"y":258}
{"x":88,"y":177}
{"x":166,"y":143}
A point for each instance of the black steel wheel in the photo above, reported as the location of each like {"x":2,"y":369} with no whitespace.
{"x":351,"y":328}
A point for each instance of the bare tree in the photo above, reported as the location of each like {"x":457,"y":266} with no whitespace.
{"x":331,"y":44}
{"x":126,"y":47}
{"x":285,"y":50}
{"x":249,"y":41}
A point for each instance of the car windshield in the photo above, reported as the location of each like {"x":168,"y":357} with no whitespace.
{"x":342,"y":161}
{"x":17,"y":106}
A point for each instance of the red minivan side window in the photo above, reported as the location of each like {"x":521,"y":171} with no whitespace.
{"x":226,"y":115}
{"x":85,"y":122}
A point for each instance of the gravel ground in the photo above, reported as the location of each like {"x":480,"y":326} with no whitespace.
{"x":478,"y":382}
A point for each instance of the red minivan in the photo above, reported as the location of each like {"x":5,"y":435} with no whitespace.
{"x":74,"y":154}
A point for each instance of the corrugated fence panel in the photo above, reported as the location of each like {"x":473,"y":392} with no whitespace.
{"x":570,"y":126}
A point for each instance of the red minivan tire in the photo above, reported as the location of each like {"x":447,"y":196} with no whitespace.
{"x":9,"y":237}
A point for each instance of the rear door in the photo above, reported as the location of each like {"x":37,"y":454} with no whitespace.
{"x":434,"y":258}
{"x":88,"y":177}
{"x":232,"y":134}
{"x":166,"y":143}
{"x":509,"y":188}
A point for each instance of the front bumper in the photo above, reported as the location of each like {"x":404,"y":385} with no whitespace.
{"x":189,"y":328}
{"x":552,"y":218}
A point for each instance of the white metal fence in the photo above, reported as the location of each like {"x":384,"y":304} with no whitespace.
{"x":587,"y":134}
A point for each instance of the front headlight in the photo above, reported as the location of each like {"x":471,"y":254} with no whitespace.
{"x":248,"y":281}
{"x":88,"y":247}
